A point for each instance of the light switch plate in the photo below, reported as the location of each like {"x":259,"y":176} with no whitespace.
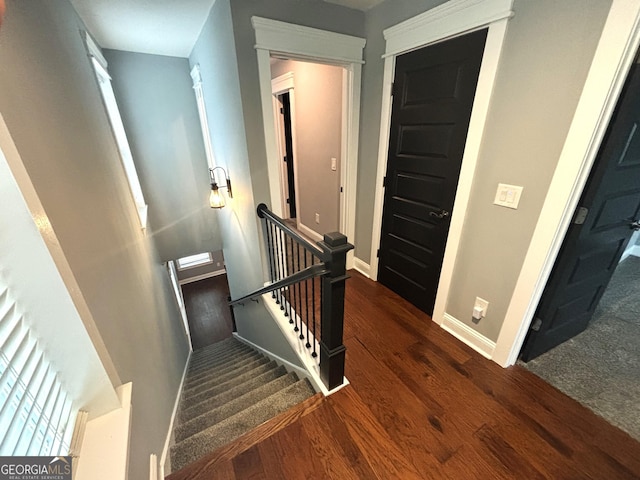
{"x":334,"y":164}
{"x":508,"y":195}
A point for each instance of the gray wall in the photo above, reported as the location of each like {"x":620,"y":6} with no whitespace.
{"x":216,"y":55}
{"x":158,"y":107}
{"x":53,"y":109}
{"x":318,"y":126}
{"x":547,"y":53}
{"x":310,"y":13}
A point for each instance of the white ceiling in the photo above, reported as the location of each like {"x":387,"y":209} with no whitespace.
{"x":161,"y":27}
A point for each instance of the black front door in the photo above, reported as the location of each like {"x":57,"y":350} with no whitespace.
{"x":599,"y":234}
{"x":434,"y":88}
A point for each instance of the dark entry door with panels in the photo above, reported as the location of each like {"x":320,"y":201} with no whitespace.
{"x":608,"y":213}
{"x":433,"y":94}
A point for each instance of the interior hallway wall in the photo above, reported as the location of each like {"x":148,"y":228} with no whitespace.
{"x":216,"y":54}
{"x":53,"y":109}
{"x":158,"y":107}
{"x":545,"y":59}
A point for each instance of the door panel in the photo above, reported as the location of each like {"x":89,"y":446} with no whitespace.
{"x":591,"y":251}
{"x":434,"y":88}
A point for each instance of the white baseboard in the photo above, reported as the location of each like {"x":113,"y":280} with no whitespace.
{"x":311,"y":365}
{"x":362,"y":267}
{"x":468,"y":335}
{"x":167,"y":443}
{"x":310,"y":232}
{"x":201,"y":277}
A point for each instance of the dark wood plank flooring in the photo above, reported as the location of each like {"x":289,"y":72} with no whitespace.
{"x":422,"y":405}
{"x":207,"y":310}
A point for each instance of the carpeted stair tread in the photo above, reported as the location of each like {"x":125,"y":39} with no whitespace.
{"x":224,"y":375}
{"x":231,"y":381}
{"x":220,"y":370}
{"x":229,"y":409}
{"x":231,"y":428}
{"x":209,"y":352}
{"x":219,"y":358}
{"x":184,"y":415}
{"x":218,"y":349}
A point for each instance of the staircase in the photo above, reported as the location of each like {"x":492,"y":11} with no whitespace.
{"x":230,"y":389}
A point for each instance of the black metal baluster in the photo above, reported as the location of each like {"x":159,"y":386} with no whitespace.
{"x":313,"y":283}
{"x":272,"y":254}
{"x":306,"y":302}
{"x":299,"y":293}
{"x":282,"y":260}
{"x":290,"y":287}
{"x":277,"y":259}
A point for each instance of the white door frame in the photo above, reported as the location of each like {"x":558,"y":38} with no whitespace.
{"x":311,"y":44}
{"x":448,"y":20}
{"x":613,"y":57}
{"x":286,"y":84}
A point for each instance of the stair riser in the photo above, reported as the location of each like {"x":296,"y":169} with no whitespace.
{"x":197,"y":376}
{"x":213,"y":417}
{"x":224,"y":376}
{"x":192,"y":400}
{"x":194,"y":447}
{"x":228,"y":395}
{"x":220,"y":357}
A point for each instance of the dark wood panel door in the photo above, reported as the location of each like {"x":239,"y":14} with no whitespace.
{"x":594,"y":243}
{"x":434,"y":88}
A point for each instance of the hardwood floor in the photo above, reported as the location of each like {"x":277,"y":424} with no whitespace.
{"x":422,"y":405}
{"x":208,"y":312}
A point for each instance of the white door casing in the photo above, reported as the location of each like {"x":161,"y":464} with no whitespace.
{"x":311,"y":44}
{"x":448,"y":20}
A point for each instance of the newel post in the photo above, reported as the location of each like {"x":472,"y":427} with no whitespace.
{"x":332,"y":351}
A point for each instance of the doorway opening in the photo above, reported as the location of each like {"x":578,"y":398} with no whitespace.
{"x":309,"y":107}
{"x":586,"y":329}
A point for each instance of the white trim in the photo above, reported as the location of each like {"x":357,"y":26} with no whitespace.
{"x":196,"y":76}
{"x":449,"y":19}
{"x":614,"y":55}
{"x":110,"y":433}
{"x":312,"y":234}
{"x":153,"y":467}
{"x":468,"y":335}
{"x":167,"y":442}
{"x":453,"y":18}
{"x":283,"y":83}
{"x":362,"y":267}
{"x":286,"y":84}
{"x":310,"y":365}
{"x":322,"y":46}
{"x":284,"y":37}
{"x":204,"y":276}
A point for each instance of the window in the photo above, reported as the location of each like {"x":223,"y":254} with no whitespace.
{"x":36,"y":414}
{"x":194,"y":260}
{"x":104,"y":80}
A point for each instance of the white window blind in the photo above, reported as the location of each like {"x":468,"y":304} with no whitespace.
{"x":36,"y":414}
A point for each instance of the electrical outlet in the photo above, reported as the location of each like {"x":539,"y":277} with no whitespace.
{"x":480,"y":308}
{"x":218,"y":264}
{"x":317,"y":218}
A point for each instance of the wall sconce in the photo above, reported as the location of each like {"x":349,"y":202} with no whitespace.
{"x":216,"y":200}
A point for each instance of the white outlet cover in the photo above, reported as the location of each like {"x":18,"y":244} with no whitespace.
{"x":508,"y":195}
{"x":483,"y":304}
